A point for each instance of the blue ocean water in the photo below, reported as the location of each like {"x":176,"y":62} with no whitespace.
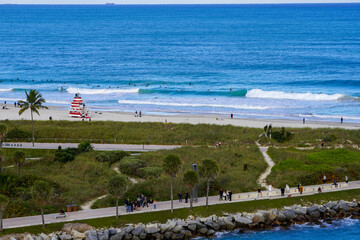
{"x":262,"y":61}
{"x":343,"y":229}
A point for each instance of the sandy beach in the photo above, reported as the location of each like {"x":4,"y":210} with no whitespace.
{"x":59,"y":113}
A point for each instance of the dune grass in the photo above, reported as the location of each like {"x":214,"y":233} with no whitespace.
{"x":219,"y":210}
{"x":307,"y":167}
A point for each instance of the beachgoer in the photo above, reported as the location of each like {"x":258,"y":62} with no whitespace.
{"x":319,"y":190}
{"x":232,"y":116}
{"x":346,"y":179}
{"x":180,"y":197}
{"x":62,"y":212}
{"x":341,"y":120}
{"x":303,"y":120}
{"x":140,"y":114}
{"x":154,"y":204}
{"x":224,"y":196}
{"x":230,"y":194}
{"x":301,"y":189}
{"x":324,"y":179}
{"x":136,"y":113}
{"x":282,"y":191}
{"x":335,"y":183}
{"x":259,"y":191}
{"x":221,"y":195}
{"x":14,"y":104}
{"x":270,"y":188}
{"x":287,"y":188}
{"x":186,"y":197}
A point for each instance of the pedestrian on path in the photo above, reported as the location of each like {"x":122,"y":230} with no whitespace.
{"x":287,"y":188}
{"x":154,"y":204}
{"x":180,"y":197}
{"x":259,"y":191}
{"x":186,"y":197}
{"x":335,"y":183}
{"x":282,"y":191}
{"x":230,"y":195}
{"x":224,"y":196}
{"x":301,"y":189}
{"x":221,"y":195}
{"x":324,"y":179}
{"x":346,"y":179}
{"x":270,"y":188}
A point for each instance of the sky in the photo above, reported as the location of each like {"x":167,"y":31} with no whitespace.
{"x":169,"y":1}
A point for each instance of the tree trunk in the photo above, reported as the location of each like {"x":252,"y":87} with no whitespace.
{"x":117,"y":208}
{"x":1,"y":220}
{"x":207,"y":193}
{"x":42,"y":216}
{"x":191,"y":199}
{"x":33,"y":131}
{"x":19,"y":172}
{"x":172,"y":197}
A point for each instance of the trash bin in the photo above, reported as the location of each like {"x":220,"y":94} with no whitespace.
{"x":69,"y":208}
{"x":74,"y":208}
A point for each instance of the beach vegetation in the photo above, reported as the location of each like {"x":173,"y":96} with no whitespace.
{"x":19,"y":160}
{"x":111,"y":157}
{"x":172,"y":165}
{"x":209,"y":170}
{"x":117,"y":186}
{"x":191,"y":179}
{"x":4,"y":201}
{"x":34,"y":102}
{"x":42,"y":192}
{"x":130,"y":165}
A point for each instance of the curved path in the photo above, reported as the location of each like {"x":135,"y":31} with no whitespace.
{"x":269,"y":161}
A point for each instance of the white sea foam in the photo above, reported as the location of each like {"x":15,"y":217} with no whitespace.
{"x":57,"y":102}
{"x":329,"y":116}
{"x":258,"y":93}
{"x":6,"y":89}
{"x":101,"y":90}
{"x":192,"y":105}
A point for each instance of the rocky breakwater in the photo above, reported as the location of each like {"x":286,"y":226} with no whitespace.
{"x":178,"y":229}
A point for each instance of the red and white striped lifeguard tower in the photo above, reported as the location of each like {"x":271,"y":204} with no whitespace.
{"x":78,"y":108}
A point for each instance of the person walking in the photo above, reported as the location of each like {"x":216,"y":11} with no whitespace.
{"x":341,"y":120}
{"x":221,"y":195}
{"x":186,"y":197}
{"x":259,"y":191}
{"x":180,"y":197}
{"x":282,"y":191}
{"x":346,"y":179}
{"x":224,"y":195}
{"x":287,"y":188}
{"x":270,"y":188}
{"x":335,"y":183}
{"x":301,"y":189}
{"x":303,"y":120}
{"x":154,"y":204}
{"x":324,"y":179}
{"x":230,"y":195}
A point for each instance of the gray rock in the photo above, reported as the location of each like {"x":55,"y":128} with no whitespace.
{"x":290,"y":214}
{"x":53,"y":237}
{"x":352,"y":204}
{"x":343,"y":206}
{"x":167,"y":235}
{"x":192,"y":227}
{"x":44,"y":236}
{"x":13,"y":238}
{"x":171,"y":224}
{"x":112,"y":231}
{"x":212,"y":225}
{"x":210,"y":232}
{"x":135,"y":238}
{"x":118,"y":236}
{"x":77,"y":235}
{"x":221,"y":223}
{"x":90,"y":232}
{"x":181,"y":223}
{"x":313,"y":208}
{"x":186,"y":233}
{"x":28,"y":237}
{"x":198,"y":224}
{"x":242,"y":221}
{"x":65,"y":237}
{"x":127,"y":236}
{"x":203,"y":231}
{"x":157,"y":236}
{"x":229,"y":224}
{"x":80,"y":227}
{"x":258,"y":218}
{"x":301,"y":211}
{"x":164,"y":228}
{"x":139,"y":229}
{"x":143,"y":236}
{"x":176,"y":236}
{"x":281,"y":217}
{"x":152,"y":230}
{"x":177,"y":229}
{"x":330,"y":205}
{"x":315,"y":214}
{"x":128,"y":229}
{"x":103,"y":236}
{"x":91,"y":237}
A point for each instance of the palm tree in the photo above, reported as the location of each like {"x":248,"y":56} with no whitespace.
{"x":34,"y":102}
{"x":42,"y":192}
{"x":191,"y":179}
{"x":3,"y":132}
{"x":4,"y":200}
{"x":209,"y":170}
{"x":172,"y":165}
{"x":116,"y":187}
{"x":19,"y":160}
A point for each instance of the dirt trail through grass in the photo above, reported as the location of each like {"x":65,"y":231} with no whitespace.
{"x":262,"y":179}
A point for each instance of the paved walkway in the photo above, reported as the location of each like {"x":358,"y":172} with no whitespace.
{"x":108,"y":212}
{"x":97,"y":146}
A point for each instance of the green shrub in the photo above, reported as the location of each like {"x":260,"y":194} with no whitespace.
{"x":85,"y":147}
{"x":282,"y":136}
{"x":111,"y":157}
{"x":66,"y":155}
{"x":130,"y":165}
{"x":330,"y":138}
{"x":18,"y":133}
{"x":149,"y":172}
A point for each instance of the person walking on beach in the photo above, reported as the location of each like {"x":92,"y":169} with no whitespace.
{"x":303,"y":120}
{"x":341,"y":120}
{"x":346,"y":179}
{"x":140,"y":114}
{"x":186,"y":197}
{"x":180,"y":197}
{"x":282,"y":191}
{"x":259,"y":191}
{"x":324,"y":179}
{"x":301,"y":189}
{"x":221,"y":195}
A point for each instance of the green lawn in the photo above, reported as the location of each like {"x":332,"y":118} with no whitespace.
{"x":219,"y":210}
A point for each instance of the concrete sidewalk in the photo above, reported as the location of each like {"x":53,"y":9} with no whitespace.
{"x":213,"y":200}
{"x":97,"y":146}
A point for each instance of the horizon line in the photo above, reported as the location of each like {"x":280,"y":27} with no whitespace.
{"x":131,"y":4}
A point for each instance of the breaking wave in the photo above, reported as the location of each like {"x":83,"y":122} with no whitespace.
{"x":6,"y":89}
{"x":101,"y":91}
{"x":258,"y":93}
